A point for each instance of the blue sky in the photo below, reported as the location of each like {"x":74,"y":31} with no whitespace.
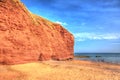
{"x":95,"y":24}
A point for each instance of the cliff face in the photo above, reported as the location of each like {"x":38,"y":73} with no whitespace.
{"x":25,"y":37}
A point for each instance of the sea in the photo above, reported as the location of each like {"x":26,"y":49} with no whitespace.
{"x":99,"y":57}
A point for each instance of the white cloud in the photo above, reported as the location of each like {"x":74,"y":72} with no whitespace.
{"x":62,"y":23}
{"x":96,"y":36}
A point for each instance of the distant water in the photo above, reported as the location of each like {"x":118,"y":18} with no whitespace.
{"x":99,"y":57}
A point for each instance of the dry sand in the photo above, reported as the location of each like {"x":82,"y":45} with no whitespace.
{"x":60,"y":70}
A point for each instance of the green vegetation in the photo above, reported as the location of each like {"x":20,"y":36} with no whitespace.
{"x":98,"y":56}
{"x":82,"y":56}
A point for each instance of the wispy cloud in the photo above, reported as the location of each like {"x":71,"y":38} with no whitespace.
{"x":96,"y":36}
{"x":62,"y":23}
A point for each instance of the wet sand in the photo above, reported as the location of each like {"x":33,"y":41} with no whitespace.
{"x":61,"y":70}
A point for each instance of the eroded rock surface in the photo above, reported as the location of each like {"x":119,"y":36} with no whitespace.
{"x":25,"y":37}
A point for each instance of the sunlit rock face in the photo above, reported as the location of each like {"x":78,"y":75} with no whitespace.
{"x":25,"y":37}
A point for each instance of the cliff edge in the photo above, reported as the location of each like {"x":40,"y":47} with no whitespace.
{"x":25,"y":37}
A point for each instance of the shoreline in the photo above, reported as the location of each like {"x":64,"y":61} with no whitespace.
{"x":97,"y":59}
{"x":98,"y":62}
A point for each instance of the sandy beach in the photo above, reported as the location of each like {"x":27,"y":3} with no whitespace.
{"x":60,"y":70}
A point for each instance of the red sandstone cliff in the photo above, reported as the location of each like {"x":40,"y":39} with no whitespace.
{"x":25,"y":37}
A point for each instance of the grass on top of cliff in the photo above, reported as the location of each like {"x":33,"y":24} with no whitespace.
{"x":34,"y":18}
{"x":60,"y":70}
{"x":37,"y":20}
